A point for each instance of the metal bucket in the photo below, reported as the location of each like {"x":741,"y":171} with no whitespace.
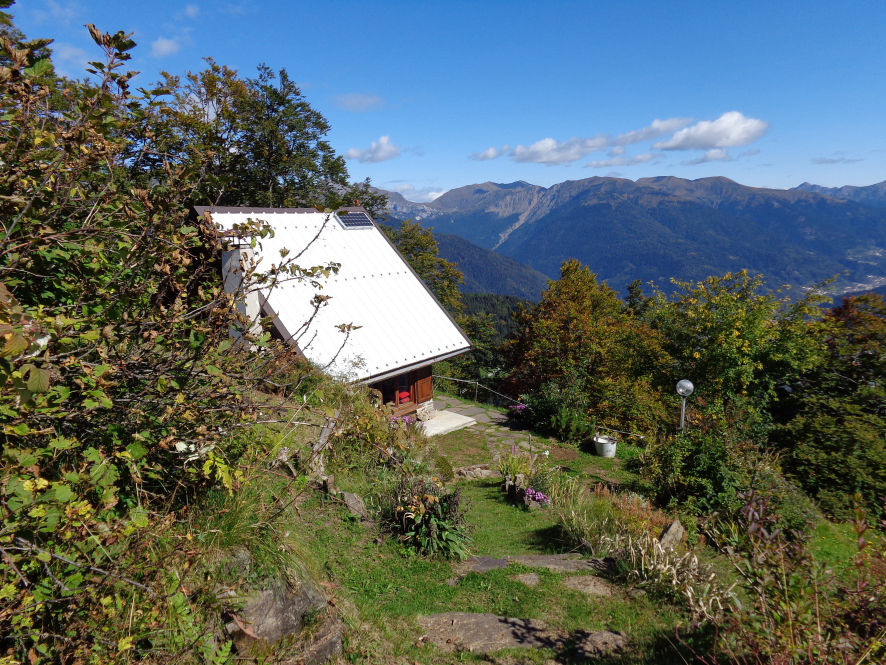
{"x":605,"y":445}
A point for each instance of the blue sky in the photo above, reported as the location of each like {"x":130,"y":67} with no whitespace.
{"x":427,"y":96}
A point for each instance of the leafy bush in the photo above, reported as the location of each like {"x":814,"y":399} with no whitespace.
{"x":832,"y":424}
{"x":122,"y":391}
{"x":429,"y":518}
{"x":798,"y":612}
{"x":368,"y":434}
{"x":697,"y":471}
{"x":515,"y":462}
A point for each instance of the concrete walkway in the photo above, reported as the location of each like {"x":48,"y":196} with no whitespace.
{"x":445,"y":422}
{"x":488,"y":422}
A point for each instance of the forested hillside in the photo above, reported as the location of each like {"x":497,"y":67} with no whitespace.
{"x":658,"y":228}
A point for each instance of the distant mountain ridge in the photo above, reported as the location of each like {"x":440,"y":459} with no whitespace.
{"x":486,"y":271}
{"x":663,"y":227}
{"x":872,"y":195}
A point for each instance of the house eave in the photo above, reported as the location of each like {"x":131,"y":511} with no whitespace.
{"x":375,"y":378}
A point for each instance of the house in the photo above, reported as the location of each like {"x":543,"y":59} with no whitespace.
{"x":374,"y":321}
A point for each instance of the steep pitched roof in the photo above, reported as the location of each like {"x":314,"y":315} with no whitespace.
{"x":402,"y":325}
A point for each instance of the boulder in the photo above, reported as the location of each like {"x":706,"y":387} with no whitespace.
{"x":300,"y":615}
{"x":672,"y":535}
{"x":425,"y":412}
{"x":355,"y":505}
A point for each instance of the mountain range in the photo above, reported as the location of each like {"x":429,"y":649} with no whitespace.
{"x":655,"y":229}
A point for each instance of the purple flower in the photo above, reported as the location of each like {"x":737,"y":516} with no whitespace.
{"x":540,"y":497}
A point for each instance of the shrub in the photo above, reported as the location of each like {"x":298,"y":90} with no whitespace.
{"x":798,"y":612}
{"x":429,"y":518}
{"x":368,"y":434}
{"x":697,"y":471}
{"x":515,"y":462}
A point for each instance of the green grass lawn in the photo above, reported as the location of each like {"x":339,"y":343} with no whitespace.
{"x":387,"y":586}
{"x":382,"y":587}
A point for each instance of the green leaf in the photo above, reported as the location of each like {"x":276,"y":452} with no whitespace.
{"x":63,"y":492}
{"x":21,"y":429}
{"x":136,"y":450}
{"x":62,"y":443}
{"x":139,"y":517}
{"x":38,"y":68}
{"x":45,"y":557}
{"x":38,"y":380}
{"x":101,"y":370}
{"x":15,"y":344}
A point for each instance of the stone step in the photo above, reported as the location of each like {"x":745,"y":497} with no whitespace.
{"x":486,"y":633}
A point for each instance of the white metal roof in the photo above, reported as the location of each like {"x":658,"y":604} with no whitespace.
{"x":402,"y":326}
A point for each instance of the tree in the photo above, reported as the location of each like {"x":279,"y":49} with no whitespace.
{"x":733,"y":339}
{"x":257,"y":142}
{"x":833,"y":422}
{"x":120,"y":387}
{"x":579,"y":349}
{"x":419,"y":248}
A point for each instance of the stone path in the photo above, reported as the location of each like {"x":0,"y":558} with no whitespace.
{"x":491,"y":425}
{"x":556,"y":563}
{"x":485,"y":633}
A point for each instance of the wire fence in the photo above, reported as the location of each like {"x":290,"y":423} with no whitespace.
{"x":477,"y":385}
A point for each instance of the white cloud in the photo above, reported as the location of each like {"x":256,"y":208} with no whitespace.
{"x":358,"y":102}
{"x":729,"y":130}
{"x":836,"y":159}
{"x":616,"y":151}
{"x":192,"y":11}
{"x":69,"y":60}
{"x":163,"y":46}
{"x":653,"y":131}
{"x":413,"y":193}
{"x":548,"y":151}
{"x":712,"y":155}
{"x":379,"y":151}
{"x":57,"y":13}
{"x":490,"y":153}
{"x":623,"y":161}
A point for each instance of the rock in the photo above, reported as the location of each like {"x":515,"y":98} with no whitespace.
{"x":323,"y":645}
{"x":482,"y":633}
{"x":672,"y":535}
{"x":329,"y":485}
{"x":355,"y":505}
{"x":425,"y":412}
{"x":588,"y":585}
{"x":486,"y":633}
{"x":481,"y":564}
{"x":560,"y":563}
{"x":598,"y":643}
{"x":529,"y":579}
{"x":283,"y":459}
{"x":476,"y":471}
{"x":300,"y":615}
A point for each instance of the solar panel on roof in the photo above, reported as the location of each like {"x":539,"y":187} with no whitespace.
{"x":354,"y":220}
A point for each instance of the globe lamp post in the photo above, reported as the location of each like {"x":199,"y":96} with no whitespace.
{"x":684,"y":390}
